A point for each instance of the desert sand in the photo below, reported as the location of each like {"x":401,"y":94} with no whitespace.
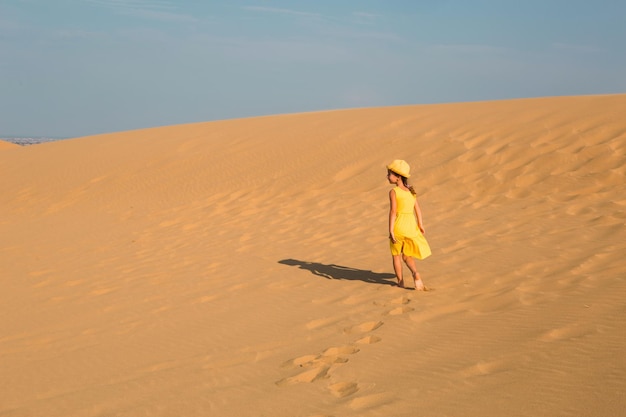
{"x":6,"y":145}
{"x":241,"y":267}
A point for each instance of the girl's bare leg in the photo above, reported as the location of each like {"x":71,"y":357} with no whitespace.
{"x":419,"y":285}
{"x":397,"y":268}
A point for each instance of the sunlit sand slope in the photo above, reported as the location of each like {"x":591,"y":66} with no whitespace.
{"x":241,"y":267}
{"x":6,"y":145}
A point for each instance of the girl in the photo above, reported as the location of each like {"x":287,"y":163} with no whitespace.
{"x":406,"y":231}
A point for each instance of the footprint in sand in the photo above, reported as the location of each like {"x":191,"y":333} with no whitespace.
{"x":368,"y":340}
{"x":487,"y":368}
{"x":328,"y":357}
{"x":371,"y":401}
{"x":355,"y":299}
{"x":401,"y":300}
{"x":302,"y":361}
{"x":310,"y":361}
{"x":400,"y":310}
{"x":345,"y":350}
{"x":396,"y":301}
{"x":343,"y":389}
{"x":318,"y":365}
{"x":307,"y":376}
{"x":364,"y":327}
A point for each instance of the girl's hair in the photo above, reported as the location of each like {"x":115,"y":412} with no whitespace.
{"x":407,"y":185}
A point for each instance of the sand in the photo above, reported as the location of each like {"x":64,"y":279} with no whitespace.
{"x":6,"y":145}
{"x":241,"y":267}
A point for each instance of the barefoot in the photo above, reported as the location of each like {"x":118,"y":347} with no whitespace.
{"x":419,"y":285}
{"x":401,"y":283}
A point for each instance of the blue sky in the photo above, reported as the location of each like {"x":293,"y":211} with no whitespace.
{"x":71,"y":68}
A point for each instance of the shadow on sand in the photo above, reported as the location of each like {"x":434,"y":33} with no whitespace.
{"x":342,"y":272}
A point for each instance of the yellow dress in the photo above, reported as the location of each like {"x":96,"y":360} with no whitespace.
{"x":409,"y":239}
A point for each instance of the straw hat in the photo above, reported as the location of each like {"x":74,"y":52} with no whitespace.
{"x":400,"y":167}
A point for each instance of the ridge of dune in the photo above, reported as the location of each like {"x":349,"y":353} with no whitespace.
{"x":7,"y":145}
{"x":241,"y":267}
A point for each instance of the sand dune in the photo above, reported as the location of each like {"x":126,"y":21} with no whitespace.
{"x":7,"y":145}
{"x":241,"y":267}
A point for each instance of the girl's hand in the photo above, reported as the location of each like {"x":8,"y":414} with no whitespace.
{"x":422,"y":229}
{"x":392,"y":238}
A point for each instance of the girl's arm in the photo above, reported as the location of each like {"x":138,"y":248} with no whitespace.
{"x":418,"y":215}
{"x":392,"y":214}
